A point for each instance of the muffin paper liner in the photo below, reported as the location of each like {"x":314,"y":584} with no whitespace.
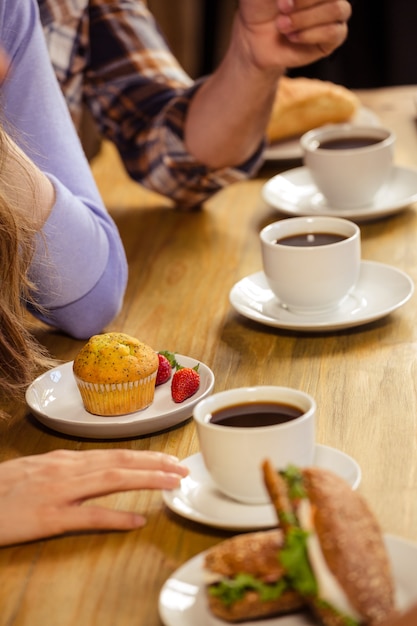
{"x":117,"y":398}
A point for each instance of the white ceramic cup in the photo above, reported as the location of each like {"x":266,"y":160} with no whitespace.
{"x":312,"y":278}
{"x":233,"y":455}
{"x":348,"y":177}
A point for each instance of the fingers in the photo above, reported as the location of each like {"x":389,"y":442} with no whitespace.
{"x":75,"y":476}
{"x":309,"y":22}
{"x":326,"y":38}
{"x":98,"y":518}
{"x":71,"y":519}
{"x":82,"y":475}
{"x":115,"y":480}
{"x":80,"y":463}
{"x":133,"y":459}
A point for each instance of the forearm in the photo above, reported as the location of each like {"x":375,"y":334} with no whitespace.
{"x":231,"y":109}
{"x":229,"y":114}
{"x":79,"y":267}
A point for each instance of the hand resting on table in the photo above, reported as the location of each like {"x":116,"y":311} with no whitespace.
{"x":46,"y":494}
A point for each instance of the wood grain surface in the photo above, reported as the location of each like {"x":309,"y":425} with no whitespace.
{"x":182,"y":267}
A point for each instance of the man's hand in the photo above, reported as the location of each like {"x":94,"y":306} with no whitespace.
{"x":228,"y":115}
{"x":291,"y":33}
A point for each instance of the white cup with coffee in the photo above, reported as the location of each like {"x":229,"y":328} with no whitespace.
{"x":348,"y":163}
{"x":311,"y":263}
{"x":239,"y":428}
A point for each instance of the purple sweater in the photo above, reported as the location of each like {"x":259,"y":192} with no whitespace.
{"x":80,"y":267}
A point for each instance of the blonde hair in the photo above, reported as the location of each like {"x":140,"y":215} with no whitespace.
{"x":21,"y":356}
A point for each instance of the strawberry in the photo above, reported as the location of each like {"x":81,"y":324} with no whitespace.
{"x":166,"y":363}
{"x":185,"y":383}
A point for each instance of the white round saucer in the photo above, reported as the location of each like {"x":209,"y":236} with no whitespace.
{"x":294,"y":193}
{"x":290,"y":149}
{"x":183,"y":599}
{"x":199,"y":500}
{"x":380,"y":290}
{"x":55,"y":401}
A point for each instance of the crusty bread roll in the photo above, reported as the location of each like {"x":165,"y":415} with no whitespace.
{"x":255,"y":554}
{"x":305,"y":103}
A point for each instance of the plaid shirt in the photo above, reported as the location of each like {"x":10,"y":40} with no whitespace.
{"x":110,"y":55}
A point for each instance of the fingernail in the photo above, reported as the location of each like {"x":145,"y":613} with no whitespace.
{"x":284,"y":24}
{"x":172,"y":481}
{"x":286,"y":6}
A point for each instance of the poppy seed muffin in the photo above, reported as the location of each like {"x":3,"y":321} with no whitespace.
{"x":115,"y":374}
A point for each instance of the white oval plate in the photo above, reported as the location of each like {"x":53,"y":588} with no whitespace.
{"x":199,"y":500}
{"x":290,"y":149}
{"x":182,"y":600}
{"x":55,"y":401}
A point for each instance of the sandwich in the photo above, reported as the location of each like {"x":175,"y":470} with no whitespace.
{"x":245,"y":580}
{"x":305,"y":103}
{"x":334,"y":554}
{"x":328,"y":557}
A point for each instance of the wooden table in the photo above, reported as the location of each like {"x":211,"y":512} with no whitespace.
{"x":182,"y":267}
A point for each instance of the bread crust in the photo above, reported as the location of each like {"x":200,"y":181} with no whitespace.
{"x":352,"y":544}
{"x":305,"y":103}
{"x":252,"y":607}
{"x":252,"y":553}
{"x":278,"y":493}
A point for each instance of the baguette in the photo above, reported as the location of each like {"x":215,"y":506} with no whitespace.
{"x":305,"y":103}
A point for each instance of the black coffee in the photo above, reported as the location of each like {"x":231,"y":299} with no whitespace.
{"x":348,"y":143}
{"x":253,"y":414}
{"x":305,"y":240}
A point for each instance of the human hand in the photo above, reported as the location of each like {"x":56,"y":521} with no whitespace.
{"x":291,"y":33}
{"x":44,"y":495}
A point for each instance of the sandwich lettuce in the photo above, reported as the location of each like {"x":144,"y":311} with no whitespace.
{"x":230,"y":590}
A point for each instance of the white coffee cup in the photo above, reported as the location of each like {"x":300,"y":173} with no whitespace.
{"x":233,"y":455}
{"x":311,"y":278}
{"x":348,"y":163}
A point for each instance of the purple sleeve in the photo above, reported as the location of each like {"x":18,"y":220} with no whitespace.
{"x":80,"y":268}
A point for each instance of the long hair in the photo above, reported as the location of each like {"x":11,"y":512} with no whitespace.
{"x":21,"y":356}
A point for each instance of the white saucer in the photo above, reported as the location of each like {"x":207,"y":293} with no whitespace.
{"x":199,"y":500}
{"x":55,"y":400}
{"x":182,"y":600}
{"x":380,"y":290}
{"x":291,"y":149}
{"x":294,"y":193}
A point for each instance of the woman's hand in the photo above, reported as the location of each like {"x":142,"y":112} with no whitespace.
{"x":44,"y":495}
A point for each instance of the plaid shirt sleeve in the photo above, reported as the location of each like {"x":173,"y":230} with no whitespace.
{"x":111,"y":55}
